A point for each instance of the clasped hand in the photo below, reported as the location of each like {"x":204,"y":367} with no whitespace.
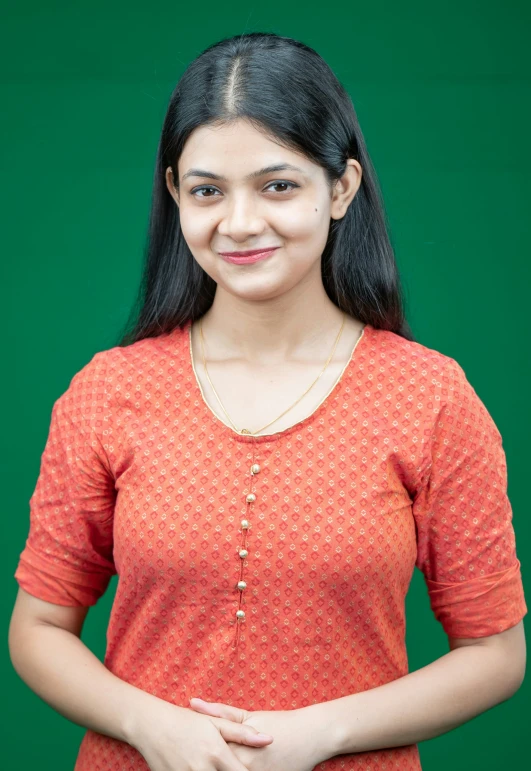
{"x":297,"y":743}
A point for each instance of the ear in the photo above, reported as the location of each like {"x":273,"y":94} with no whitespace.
{"x":171,"y":187}
{"x":345,"y":189}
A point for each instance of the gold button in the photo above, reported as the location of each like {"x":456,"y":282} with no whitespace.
{"x":245,"y":524}
{"x":240,"y":614}
{"x":243,"y":553}
{"x":250,"y":498}
{"x":241,"y":585}
{"x":255,"y":468}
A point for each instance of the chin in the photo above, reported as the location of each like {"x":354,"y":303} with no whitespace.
{"x":261,"y":292}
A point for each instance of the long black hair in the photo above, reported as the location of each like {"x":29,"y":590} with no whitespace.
{"x":286,"y":90}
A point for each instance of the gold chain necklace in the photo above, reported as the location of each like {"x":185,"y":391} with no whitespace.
{"x":245,"y":430}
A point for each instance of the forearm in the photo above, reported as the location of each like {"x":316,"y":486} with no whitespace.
{"x":59,"y":668}
{"x":423,"y":704}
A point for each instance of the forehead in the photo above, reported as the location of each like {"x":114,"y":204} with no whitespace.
{"x":237,"y":147}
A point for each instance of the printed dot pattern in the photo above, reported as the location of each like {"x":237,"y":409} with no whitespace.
{"x":270,"y":572}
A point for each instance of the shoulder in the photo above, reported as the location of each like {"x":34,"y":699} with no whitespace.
{"x":437,"y":379}
{"x":110,"y":366}
{"x":116,"y":374}
{"x":409,"y":358}
{"x":410,"y":367}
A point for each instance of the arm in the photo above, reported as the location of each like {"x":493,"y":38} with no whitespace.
{"x":476,"y":675}
{"x":48,"y":655}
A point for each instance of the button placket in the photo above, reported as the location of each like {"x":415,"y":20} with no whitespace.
{"x":243,"y":552}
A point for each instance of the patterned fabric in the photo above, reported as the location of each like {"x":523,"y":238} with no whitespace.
{"x":400,"y":466}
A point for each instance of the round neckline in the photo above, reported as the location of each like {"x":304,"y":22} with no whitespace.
{"x":331,"y":396}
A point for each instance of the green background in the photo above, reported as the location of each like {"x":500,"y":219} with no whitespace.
{"x":442,"y":94}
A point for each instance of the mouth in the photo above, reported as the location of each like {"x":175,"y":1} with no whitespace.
{"x":244,"y":258}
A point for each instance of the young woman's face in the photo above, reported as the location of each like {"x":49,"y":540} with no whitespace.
{"x":227,"y":204}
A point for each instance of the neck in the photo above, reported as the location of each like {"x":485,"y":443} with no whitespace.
{"x":269,"y":331}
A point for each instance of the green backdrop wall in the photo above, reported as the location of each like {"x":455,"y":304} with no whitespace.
{"x":442,"y":93}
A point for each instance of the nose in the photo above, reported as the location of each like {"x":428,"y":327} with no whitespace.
{"x":241,"y":218}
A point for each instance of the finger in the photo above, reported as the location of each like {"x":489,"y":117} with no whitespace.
{"x":217,"y":709}
{"x":241,"y":734}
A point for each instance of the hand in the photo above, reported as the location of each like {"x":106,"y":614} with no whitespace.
{"x":300,"y":739}
{"x":172,"y":738}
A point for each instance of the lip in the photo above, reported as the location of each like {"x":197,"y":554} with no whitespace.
{"x":244,"y":258}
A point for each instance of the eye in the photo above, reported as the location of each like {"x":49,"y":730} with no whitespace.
{"x":291,"y":185}
{"x":205,"y":187}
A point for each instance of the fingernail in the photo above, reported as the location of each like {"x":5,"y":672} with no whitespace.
{"x":263,"y":736}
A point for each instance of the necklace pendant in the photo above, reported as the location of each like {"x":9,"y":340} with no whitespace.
{"x":245,"y":431}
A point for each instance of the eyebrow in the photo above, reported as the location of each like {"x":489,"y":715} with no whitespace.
{"x":252,"y":175}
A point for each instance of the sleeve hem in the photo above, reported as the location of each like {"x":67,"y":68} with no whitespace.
{"x":61,"y":587}
{"x":480,"y":607}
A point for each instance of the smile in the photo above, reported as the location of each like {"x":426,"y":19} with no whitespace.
{"x":249,"y":257}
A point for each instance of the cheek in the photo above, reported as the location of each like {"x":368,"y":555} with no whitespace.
{"x":196,"y":228}
{"x":306,"y":223}
{"x":306,"y":235}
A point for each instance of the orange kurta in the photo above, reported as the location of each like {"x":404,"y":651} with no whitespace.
{"x":401,"y":465}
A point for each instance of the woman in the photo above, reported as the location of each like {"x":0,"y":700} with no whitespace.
{"x":263,"y":461}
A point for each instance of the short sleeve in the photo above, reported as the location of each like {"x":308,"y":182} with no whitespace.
{"x":68,"y":555}
{"x":465,"y":538}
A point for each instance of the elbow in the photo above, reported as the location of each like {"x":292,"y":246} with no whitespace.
{"x":519,"y":678}
{"x":511,"y":678}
